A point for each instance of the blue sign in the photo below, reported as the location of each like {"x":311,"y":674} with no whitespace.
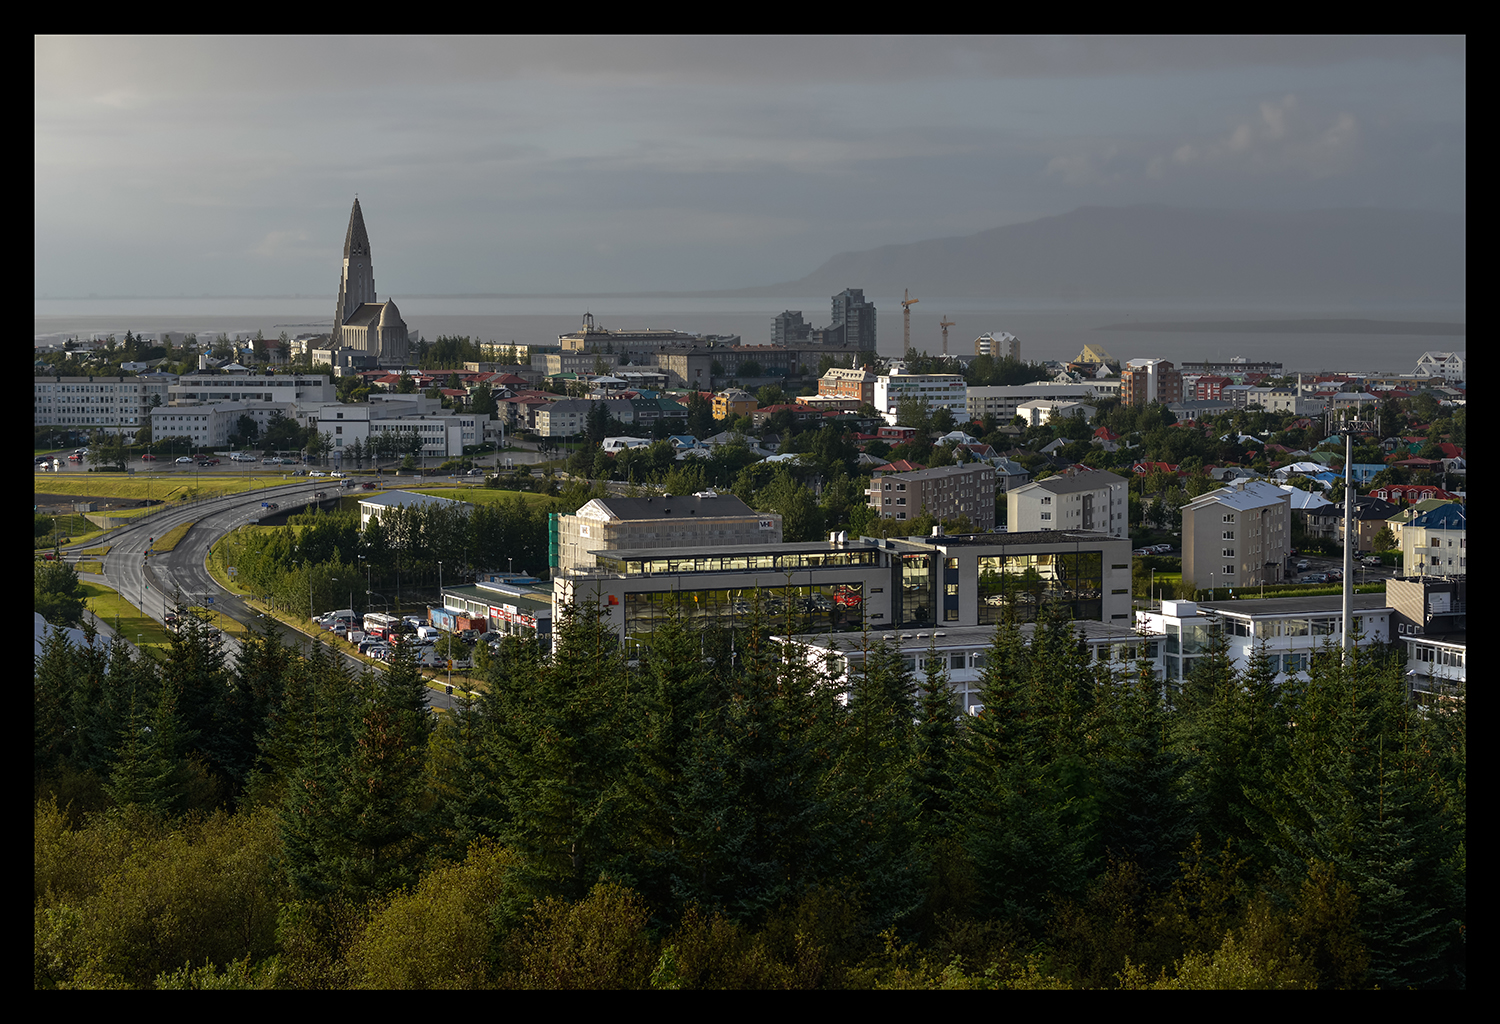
{"x":208,"y":600}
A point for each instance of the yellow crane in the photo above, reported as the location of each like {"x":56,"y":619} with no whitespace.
{"x":946,"y":323}
{"x":906,"y":303}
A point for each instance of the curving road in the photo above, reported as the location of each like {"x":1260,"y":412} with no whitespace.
{"x":151,"y":583}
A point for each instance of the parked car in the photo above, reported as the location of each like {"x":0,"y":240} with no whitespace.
{"x":1371,"y":560}
{"x":1315,"y":577}
{"x":75,"y":457}
{"x":1303,"y":566}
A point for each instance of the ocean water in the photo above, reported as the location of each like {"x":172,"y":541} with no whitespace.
{"x":1046,"y":332}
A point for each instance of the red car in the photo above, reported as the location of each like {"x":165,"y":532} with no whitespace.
{"x":148,"y":458}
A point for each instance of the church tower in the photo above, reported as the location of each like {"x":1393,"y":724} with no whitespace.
{"x":357,"y":285}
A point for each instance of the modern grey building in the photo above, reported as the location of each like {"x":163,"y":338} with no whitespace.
{"x":842,"y":585}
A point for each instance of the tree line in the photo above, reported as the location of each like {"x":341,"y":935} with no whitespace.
{"x":721,"y":811}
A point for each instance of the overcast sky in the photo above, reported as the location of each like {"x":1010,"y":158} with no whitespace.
{"x":181,"y":166}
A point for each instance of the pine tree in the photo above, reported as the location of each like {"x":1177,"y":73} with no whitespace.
{"x":381,"y":782}
{"x":146,"y":772}
{"x":1016,"y":814}
{"x":1144,"y":818}
{"x":750,"y":822}
{"x":564,"y":755}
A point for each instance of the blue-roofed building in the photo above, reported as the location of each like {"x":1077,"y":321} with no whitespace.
{"x":1435,"y":542}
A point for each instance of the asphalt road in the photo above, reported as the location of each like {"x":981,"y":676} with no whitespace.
{"x":154,"y":583}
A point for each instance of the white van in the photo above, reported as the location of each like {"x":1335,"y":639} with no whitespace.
{"x":428,"y":634}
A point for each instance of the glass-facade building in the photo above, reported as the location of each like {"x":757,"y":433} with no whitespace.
{"x":845,"y":586}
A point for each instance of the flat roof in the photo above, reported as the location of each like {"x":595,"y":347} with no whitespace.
{"x":965,"y":636}
{"x":1279,"y":606}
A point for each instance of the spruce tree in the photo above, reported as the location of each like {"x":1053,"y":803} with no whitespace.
{"x":380,"y":810}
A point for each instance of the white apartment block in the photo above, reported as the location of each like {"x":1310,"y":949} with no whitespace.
{"x":210,"y":426}
{"x":441,"y":432}
{"x":120,"y":405}
{"x":935,"y":390}
{"x":1093,"y":502}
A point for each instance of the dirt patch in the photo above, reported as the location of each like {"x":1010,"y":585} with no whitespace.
{"x":60,"y":503}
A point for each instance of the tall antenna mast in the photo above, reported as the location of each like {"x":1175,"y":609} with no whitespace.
{"x":1352,"y":425}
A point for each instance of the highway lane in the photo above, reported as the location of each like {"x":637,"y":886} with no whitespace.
{"x":153,"y":583}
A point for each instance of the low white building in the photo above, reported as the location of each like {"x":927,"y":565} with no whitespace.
{"x":1290,"y":629}
{"x":962,"y":651}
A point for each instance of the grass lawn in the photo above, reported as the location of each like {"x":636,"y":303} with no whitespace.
{"x":109,"y":607}
{"x":482,"y":495}
{"x":96,"y":552}
{"x":164,"y":486}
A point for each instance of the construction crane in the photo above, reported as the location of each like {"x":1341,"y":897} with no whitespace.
{"x":946,"y":323}
{"x":906,"y":304}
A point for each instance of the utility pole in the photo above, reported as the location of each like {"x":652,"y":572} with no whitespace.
{"x":906,"y":303}
{"x":1349,"y":428}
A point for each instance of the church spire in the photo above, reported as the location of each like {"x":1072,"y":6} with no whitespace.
{"x":356,"y":242}
{"x":357,"y":282}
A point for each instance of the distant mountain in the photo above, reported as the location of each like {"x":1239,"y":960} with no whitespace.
{"x":1163,"y":252}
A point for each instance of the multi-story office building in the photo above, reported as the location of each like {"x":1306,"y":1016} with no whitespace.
{"x":1094,"y":501}
{"x":706,"y":519}
{"x":854,"y":318}
{"x":1235,"y":367}
{"x":842,"y":585}
{"x":1002,"y":401}
{"x":1289,"y":629}
{"x":1237,"y":536}
{"x":298,"y":389}
{"x":844,"y":382}
{"x":933,"y":390}
{"x":120,"y":405}
{"x":945,"y":492}
{"x":1144,"y":381}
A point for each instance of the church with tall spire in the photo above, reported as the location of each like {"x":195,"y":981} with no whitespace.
{"x":362,"y":322}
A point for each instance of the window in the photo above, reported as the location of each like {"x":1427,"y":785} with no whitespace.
{"x":1229,"y":552}
{"x":1229,"y":535}
{"x":1046,"y":515}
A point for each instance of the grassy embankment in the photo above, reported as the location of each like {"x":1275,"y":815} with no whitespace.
{"x":125,"y":618}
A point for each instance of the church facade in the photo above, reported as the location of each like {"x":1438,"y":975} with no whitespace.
{"x":362,"y":322}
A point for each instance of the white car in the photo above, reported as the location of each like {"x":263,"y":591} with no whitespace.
{"x":185,"y":460}
{"x":317,"y":472}
{"x":339,"y":475}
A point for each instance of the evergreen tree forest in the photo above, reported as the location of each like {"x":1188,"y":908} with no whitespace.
{"x":725,"y":813}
